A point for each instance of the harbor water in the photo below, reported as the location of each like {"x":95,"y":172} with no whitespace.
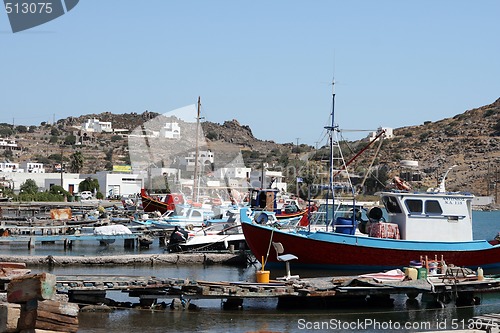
{"x":263,"y":315}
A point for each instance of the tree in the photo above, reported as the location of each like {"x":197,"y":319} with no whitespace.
{"x":29,"y":187}
{"x":76,"y":162}
{"x":21,"y":129}
{"x":70,"y":140}
{"x":115,"y":138}
{"x":6,"y":132}
{"x":89,"y":184}
{"x":58,"y":190}
{"x":8,"y":154}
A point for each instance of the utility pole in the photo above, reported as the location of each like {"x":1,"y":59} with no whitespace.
{"x":496,"y":187}
{"x":297,"y":148}
{"x":62,"y":151}
{"x":488,"y":181}
{"x":195,"y":178}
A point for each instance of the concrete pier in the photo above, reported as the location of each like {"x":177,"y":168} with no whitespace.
{"x":237,"y":259}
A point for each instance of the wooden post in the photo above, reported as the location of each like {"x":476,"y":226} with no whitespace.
{"x":31,"y":244}
{"x":129,"y":243}
{"x":68,"y":244}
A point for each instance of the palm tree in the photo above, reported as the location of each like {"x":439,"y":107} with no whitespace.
{"x":76,"y":162}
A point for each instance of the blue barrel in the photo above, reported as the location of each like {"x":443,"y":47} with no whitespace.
{"x":344,"y":225}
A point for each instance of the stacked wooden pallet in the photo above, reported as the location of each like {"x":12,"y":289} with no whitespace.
{"x":31,"y":299}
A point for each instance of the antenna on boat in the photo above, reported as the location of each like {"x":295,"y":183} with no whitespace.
{"x":331,"y":130}
{"x":442,"y":188}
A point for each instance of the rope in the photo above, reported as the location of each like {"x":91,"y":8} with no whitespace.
{"x":269,"y":247}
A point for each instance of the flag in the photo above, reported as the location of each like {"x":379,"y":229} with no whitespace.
{"x":300,"y":180}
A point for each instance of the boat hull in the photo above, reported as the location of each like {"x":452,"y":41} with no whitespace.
{"x":324,"y":250}
{"x":151,"y":205}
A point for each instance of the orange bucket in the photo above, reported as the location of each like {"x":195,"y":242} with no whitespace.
{"x":262,"y":276}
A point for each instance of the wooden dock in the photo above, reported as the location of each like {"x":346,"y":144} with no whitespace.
{"x":68,"y":239}
{"x":292,"y":293}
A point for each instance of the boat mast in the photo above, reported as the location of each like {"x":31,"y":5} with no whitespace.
{"x":195,"y":179}
{"x":330,"y":130}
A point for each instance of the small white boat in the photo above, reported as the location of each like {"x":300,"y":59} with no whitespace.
{"x":216,"y":237}
{"x":192,"y":217}
{"x":110,"y":230}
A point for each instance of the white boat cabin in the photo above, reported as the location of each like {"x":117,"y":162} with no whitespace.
{"x":430,"y":216}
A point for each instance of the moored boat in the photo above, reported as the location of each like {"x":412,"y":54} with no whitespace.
{"x":420,"y":224}
{"x":161,"y":204}
{"x":215,"y":238}
{"x":272,"y":201}
{"x":431,"y":224}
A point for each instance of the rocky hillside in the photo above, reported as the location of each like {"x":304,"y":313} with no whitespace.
{"x":469,"y":140}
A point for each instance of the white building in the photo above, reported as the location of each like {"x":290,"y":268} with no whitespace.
{"x":233,"y":173}
{"x":169,"y":172}
{"x":32,"y":167}
{"x":95,"y":125}
{"x":205,"y":159}
{"x":43,"y":180}
{"x":8,"y":143}
{"x":272,"y":179}
{"x":10,"y":167}
{"x":387,"y":135}
{"x":114,"y":185}
{"x":71,"y":181}
{"x":171,"y":131}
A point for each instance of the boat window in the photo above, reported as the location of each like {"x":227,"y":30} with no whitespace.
{"x":433,"y":207}
{"x":391,"y":204}
{"x":196,"y":213}
{"x":414,"y":206}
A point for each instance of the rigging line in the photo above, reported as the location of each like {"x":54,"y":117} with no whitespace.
{"x":373,"y":161}
{"x":269,"y":247}
{"x":346,"y":143}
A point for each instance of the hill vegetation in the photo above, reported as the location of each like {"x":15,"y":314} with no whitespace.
{"x":469,"y":140}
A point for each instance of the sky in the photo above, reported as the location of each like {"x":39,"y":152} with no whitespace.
{"x":268,"y":64}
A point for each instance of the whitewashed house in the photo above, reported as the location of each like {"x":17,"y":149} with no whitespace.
{"x":171,"y":131}
{"x":10,"y":167}
{"x":205,"y":160}
{"x":8,"y":143}
{"x":32,"y":167}
{"x":95,"y":125}
{"x":389,"y":134}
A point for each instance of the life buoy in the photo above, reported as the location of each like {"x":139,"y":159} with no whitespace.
{"x":261,"y":218}
{"x":401,"y":184}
